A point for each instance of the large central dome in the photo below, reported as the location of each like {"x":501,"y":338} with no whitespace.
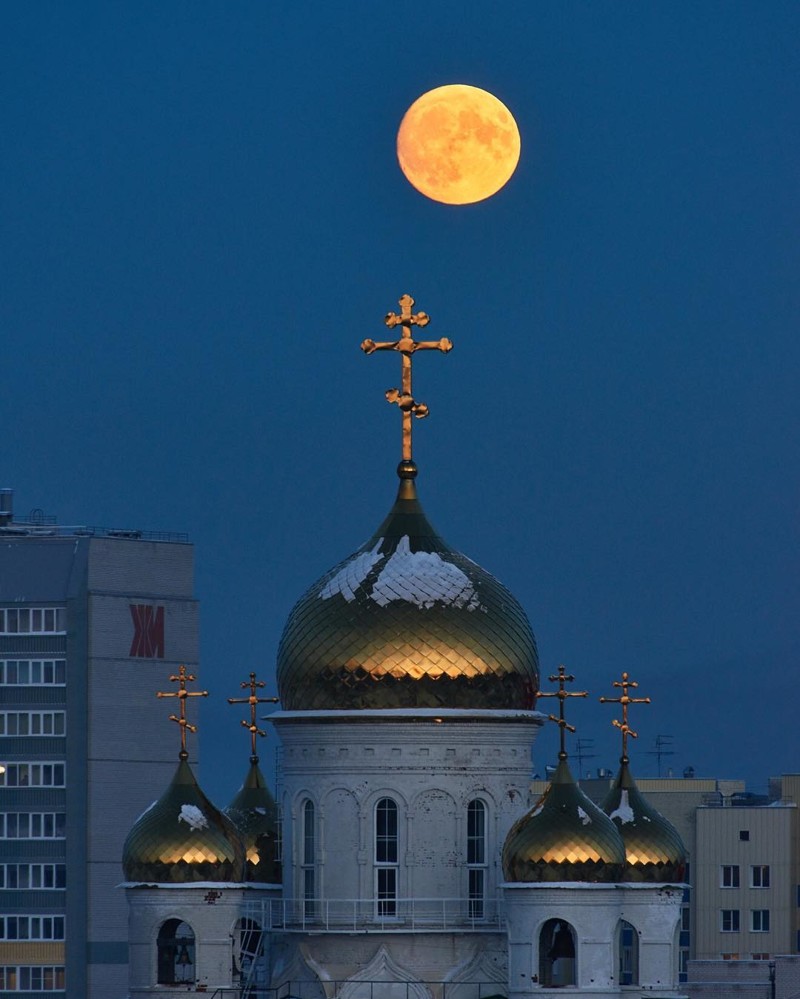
{"x":407,"y":622}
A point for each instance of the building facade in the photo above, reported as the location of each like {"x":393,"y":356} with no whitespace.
{"x":89,"y":619}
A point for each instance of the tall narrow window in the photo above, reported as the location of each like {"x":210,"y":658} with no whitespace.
{"x":386,"y":854}
{"x":557,"y":954}
{"x":476,"y":858}
{"x":628,"y":954}
{"x":307,"y":868}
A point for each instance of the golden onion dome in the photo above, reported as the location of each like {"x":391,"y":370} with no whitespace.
{"x":407,"y":622}
{"x":654,"y":851}
{"x":183,"y":838}
{"x":564,"y":837}
{"x":255,"y":816}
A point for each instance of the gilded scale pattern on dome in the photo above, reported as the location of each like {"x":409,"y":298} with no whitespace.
{"x":407,"y":621}
{"x":182,"y":838}
{"x":654,"y":851}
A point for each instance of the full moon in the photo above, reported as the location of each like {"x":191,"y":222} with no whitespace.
{"x":458,"y":144}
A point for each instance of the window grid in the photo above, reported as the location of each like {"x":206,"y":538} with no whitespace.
{"x":476,"y":858}
{"x":32,"y":978}
{"x":759,"y":876}
{"x":33,"y":672}
{"x":309,"y":849}
{"x":22,"y":876}
{"x":31,"y":927}
{"x":33,"y":775}
{"x":33,"y":620}
{"x":759,"y":920}
{"x":729,"y":876}
{"x":386,"y":855}
{"x":33,"y":723}
{"x":32,"y":825}
{"x":729,"y":920}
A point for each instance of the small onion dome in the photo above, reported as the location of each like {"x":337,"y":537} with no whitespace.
{"x":183,"y":838}
{"x":255,"y":816}
{"x":564,"y":837}
{"x":654,"y":852}
{"x":407,"y":622}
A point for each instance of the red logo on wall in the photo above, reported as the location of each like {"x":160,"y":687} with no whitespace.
{"x":148,"y":634}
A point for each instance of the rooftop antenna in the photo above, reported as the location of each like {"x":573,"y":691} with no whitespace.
{"x":584,"y":751}
{"x":663,"y":748}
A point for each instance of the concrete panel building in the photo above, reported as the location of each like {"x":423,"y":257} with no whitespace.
{"x":92,"y":622}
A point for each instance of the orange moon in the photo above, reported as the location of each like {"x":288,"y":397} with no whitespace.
{"x":458,"y":144}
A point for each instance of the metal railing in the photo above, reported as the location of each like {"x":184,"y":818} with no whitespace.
{"x":402,"y":915}
{"x":365,"y":990}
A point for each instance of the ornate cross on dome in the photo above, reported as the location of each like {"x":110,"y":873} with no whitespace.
{"x":625,"y":700}
{"x":182,"y":693}
{"x":253,"y":700}
{"x":562,"y":678}
{"x":406,"y":346}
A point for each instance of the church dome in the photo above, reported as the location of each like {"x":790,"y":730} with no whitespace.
{"x":183,"y":838}
{"x":407,"y":622}
{"x":564,"y":837}
{"x":255,"y":816}
{"x":654,"y":851}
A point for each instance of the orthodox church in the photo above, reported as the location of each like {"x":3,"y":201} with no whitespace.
{"x":403,"y":859}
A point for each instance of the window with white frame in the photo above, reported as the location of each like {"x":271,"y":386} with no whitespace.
{"x":33,"y":672}
{"x":31,"y":927}
{"x":308,"y":847}
{"x":32,"y":825}
{"x":729,"y":920}
{"x":23,"y":876}
{"x":33,"y":775}
{"x":759,"y":876}
{"x":33,"y":722}
{"x":759,"y":920}
{"x":32,"y":978}
{"x":33,"y":620}
{"x":476,"y":858}
{"x":729,"y":876}
{"x":386,"y":857}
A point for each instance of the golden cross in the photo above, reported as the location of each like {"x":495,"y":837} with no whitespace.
{"x":406,"y":346}
{"x":561,"y":678}
{"x":182,"y":693}
{"x":253,"y":700}
{"x":625,"y":700}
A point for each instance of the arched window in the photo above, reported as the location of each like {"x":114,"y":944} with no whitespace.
{"x":248,"y":947}
{"x":557,"y":954}
{"x":308,"y":849}
{"x":476,"y":858}
{"x":628,"y":944}
{"x":175,"y":953}
{"x":386,"y":857}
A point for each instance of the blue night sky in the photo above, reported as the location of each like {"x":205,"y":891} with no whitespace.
{"x":203,"y":217}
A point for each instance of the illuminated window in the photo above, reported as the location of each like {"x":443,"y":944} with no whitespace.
{"x":759,"y":876}
{"x":760,"y":957}
{"x":476,"y":858}
{"x":729,"y":920}
{"x":386,"y":857}
{"x":175,"y":947}
{"x":729,"y":876}
{"x":32,"y":978}
{"x":557,"y":967}
{"x":730,"y":957}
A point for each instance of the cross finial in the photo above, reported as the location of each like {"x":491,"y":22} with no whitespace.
{"x":561,"y":678}
{"x":253,"y":700}
{"x":182,"y":693}
{"x":625,"y":684}
{"x":406,"y":346}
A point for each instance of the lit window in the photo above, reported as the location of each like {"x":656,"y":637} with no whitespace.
{"x":729,"y":922}
{"x":759,"y":920}
{"x":759,"y":876}
{"x":729,"y":876}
